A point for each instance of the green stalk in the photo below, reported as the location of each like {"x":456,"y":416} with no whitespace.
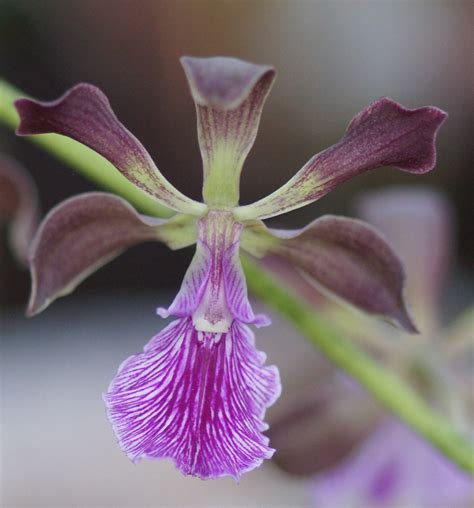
{"x":393,"y":393}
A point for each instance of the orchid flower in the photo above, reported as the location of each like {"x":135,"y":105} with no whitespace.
{"x":391,"y":466}
{"x":199,"y":391}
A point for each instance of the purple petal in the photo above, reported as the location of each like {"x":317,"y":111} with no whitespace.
{"x":222,"y":82}
{"x":229,"y":96}
{"x":394,"y":467}
{"x":79,"y":236}
{"x":344,"y":256}
{"x":419,"y":224}
{"x":384,"y":134}
{"x":84,"y":114}
{"x":18,"y":206}
{"x":198,"y":398}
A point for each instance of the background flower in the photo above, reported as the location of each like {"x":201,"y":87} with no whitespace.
{"x":390,"y":466}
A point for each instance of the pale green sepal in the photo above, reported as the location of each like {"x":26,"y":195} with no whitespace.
{"x":222,"y":179}
{"x":178,"y":232}
{"x":257,"y":240}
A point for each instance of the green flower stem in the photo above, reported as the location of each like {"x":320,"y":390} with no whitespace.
{"x":85,"y":161}
{"x":395,"y":395}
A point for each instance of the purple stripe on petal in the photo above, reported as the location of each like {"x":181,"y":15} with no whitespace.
{"x":198,"y":398}
{"x":384,"y":134}
{"x":18,"y":206}
{"x":229,"y":96}
{"x":344,"y":256}
{"x":79,"y":236}
{"x":84,"y":114}
{"x":236,"y":289}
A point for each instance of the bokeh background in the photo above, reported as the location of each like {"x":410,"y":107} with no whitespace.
{"x":333,"y":59}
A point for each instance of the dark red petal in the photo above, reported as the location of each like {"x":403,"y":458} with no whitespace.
{"x":419,"y":223}
{"x":79,"y":236}
{"x":84,"y":114}
{"x":346,"y":257}
{"x":384,"y":134}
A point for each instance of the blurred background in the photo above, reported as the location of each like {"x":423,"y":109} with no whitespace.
{"x":333,"y":59}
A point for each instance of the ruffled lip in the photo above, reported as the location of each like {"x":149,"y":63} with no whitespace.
{"x":197,"y":398}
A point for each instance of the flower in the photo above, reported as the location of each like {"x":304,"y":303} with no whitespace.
{"x":199,"y":391}
{"x":391,"y":466}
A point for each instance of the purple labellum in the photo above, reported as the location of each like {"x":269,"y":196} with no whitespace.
{"x":196,"y":397}
{"x":199,"y":391}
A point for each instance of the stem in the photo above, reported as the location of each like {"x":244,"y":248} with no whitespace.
{"x":394,"y":394}
{"x":84,"y":160}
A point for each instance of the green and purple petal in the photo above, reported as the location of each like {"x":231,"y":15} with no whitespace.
{"x":84,"y":114}
{"x":343,"y":256}
{"x":19,"y":207}
{"x":198,"y":398}
{"x":83,"y":233}
{"x":229,"y":95}
{"x":384,"y":134}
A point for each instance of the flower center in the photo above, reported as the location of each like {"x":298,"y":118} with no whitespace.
{"x":218,"y":234}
